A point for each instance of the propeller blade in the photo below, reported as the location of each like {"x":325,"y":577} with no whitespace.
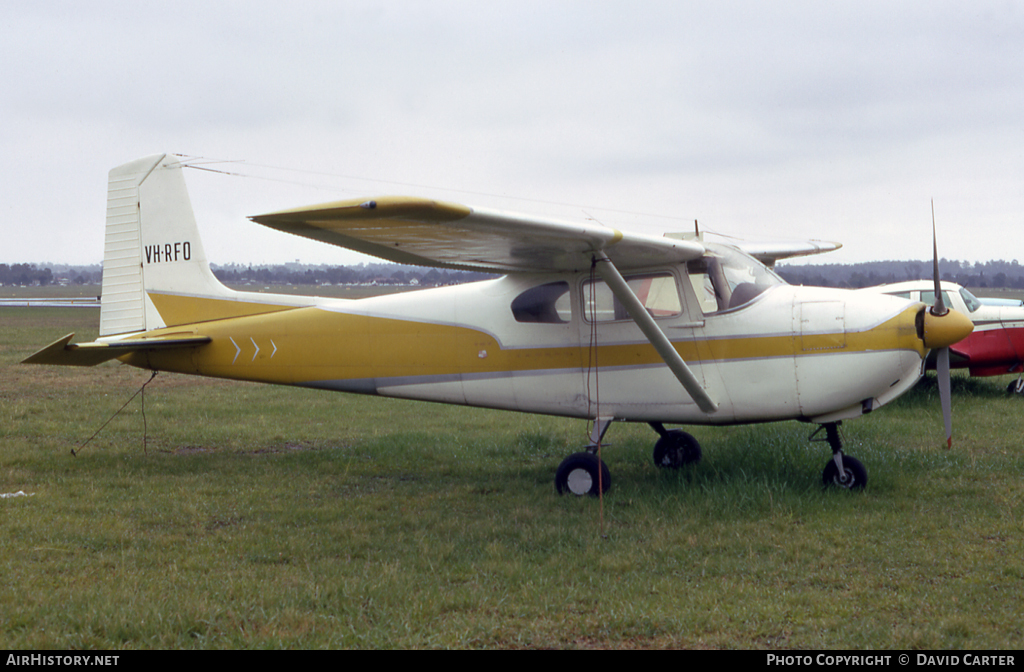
{"x":942,"y":369}
{"x":944,"y":328}
{"x":940,"y":306}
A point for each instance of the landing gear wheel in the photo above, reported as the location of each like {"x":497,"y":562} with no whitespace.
{"x":855,"y":477}
{"x":1016,"y":387}
{"x":676,"y":448}
{"x":578,"y":475}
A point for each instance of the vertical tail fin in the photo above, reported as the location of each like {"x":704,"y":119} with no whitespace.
{"x":152,"y":245}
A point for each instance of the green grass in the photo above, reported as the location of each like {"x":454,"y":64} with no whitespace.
{"x":263,"y":517}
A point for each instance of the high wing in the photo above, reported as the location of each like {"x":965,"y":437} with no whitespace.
{"x":770,"y":252}
{"x":425,"y":232}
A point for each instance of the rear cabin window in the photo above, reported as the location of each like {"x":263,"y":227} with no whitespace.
{"x":546,"y":304}
{"x":658,"y":293}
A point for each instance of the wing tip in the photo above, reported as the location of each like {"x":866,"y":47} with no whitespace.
{"x":403,"y":208}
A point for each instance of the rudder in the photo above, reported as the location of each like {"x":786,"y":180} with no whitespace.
{"x":152,"y":244}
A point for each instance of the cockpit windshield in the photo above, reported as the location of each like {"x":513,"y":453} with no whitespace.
{"x":726,"y":278}
{"x":970,"y":300}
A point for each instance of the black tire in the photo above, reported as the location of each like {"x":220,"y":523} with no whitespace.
{"x":1015,"y":388}
{"x":676,"y":448}
{"x":578,"y":475}
{"x":856,"y":474}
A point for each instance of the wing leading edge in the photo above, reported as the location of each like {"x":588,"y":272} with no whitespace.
{"x":425,"y":232}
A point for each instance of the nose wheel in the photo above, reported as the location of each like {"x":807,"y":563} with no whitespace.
{"x":852,"y":477}
{"x":842,"y":471}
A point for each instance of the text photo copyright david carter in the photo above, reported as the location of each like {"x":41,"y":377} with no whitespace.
{"x":906,"y":659}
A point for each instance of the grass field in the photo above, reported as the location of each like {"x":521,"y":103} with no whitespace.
{"x":257,"y":516}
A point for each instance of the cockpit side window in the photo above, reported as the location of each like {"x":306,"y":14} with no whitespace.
{"x":726,"y":279}
{"x":658,"y":293}
{"x":547,"y":304}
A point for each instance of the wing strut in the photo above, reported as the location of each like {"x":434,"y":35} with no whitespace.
{"x":606,"y":269}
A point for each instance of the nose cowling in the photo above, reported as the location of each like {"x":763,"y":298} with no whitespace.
{"x":942,"y":331}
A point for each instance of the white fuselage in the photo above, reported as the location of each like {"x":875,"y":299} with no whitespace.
{"x":793,"y":352}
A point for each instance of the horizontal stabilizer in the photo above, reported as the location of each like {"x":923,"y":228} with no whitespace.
{"x":64,"y":353}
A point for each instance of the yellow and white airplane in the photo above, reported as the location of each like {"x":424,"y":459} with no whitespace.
{"x":586,"y":322}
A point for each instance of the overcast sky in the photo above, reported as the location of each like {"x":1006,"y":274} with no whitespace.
{"x":838,"y":120}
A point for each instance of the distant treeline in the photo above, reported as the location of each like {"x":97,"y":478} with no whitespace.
{"x":236,"y":274}
{"x":363,"y":274}
{"x":25,"y":275}
{"x":991,"y":274}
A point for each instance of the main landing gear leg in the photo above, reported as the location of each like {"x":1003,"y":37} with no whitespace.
{"x":585,"y":473}
{"x":842,"y":470}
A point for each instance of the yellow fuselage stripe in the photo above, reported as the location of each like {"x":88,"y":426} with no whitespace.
{"x":308,"y":344}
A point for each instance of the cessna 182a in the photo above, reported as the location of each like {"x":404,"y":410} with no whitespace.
{"x":673,"y":330}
